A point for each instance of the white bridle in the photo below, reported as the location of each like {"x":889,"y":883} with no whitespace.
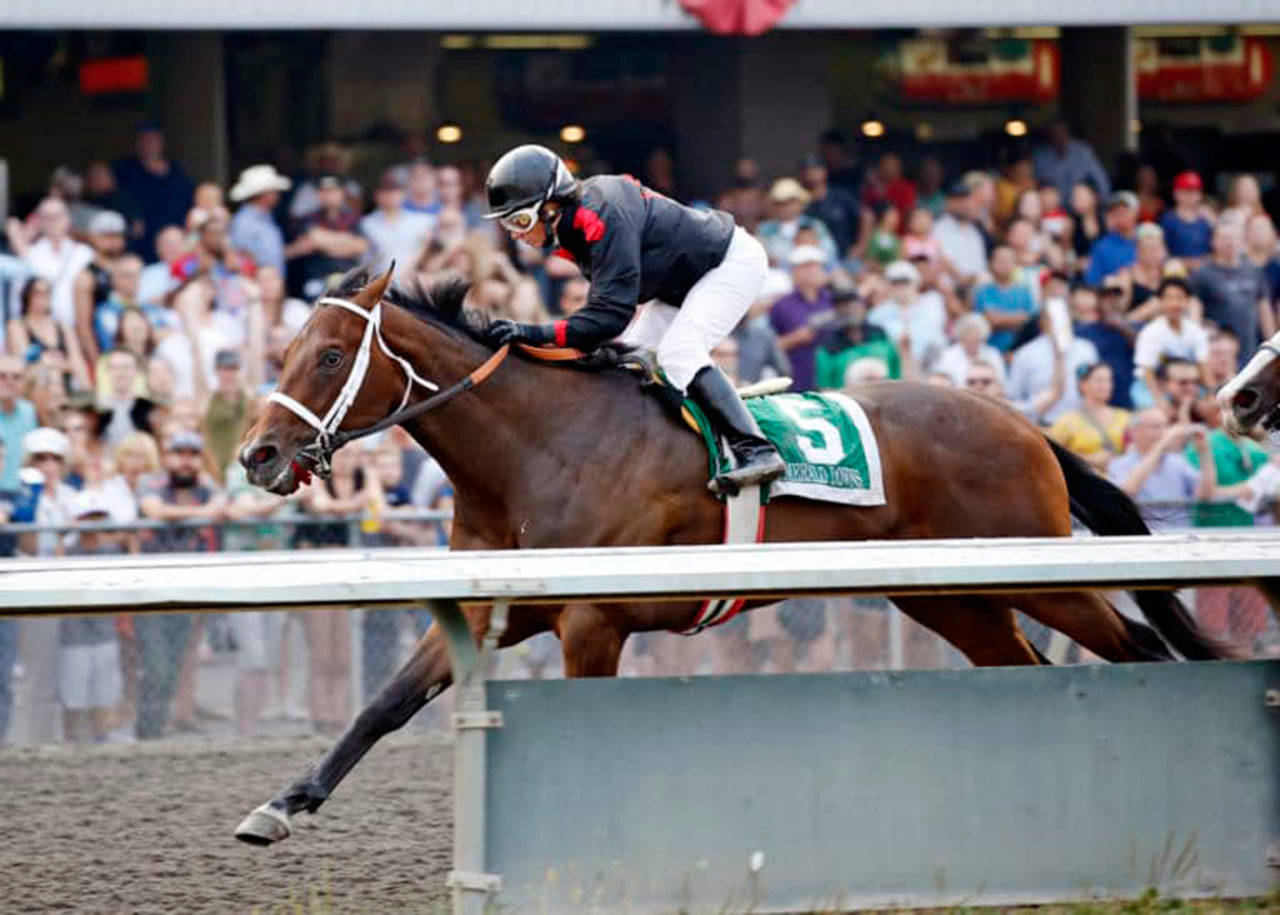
{"x":327,"y":426}
{"x":1267,"y":353}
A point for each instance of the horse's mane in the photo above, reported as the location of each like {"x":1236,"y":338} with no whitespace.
{"x":442,"y":303}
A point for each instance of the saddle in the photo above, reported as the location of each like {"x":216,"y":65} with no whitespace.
{"x":652,"y":381}
{"x":609,"y":356}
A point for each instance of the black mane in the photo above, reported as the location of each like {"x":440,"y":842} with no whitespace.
{"x":440,"y":302}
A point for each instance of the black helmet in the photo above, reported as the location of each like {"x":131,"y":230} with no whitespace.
{"x":525,"y":176}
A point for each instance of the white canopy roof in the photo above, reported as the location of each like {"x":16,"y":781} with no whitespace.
{"x":591,"y":15}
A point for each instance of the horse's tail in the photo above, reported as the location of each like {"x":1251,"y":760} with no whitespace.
{"x":1105,"y":509}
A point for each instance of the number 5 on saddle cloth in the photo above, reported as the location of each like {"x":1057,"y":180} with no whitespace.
{"x":825,"y":439}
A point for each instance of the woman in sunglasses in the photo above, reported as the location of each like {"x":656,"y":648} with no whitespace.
{"x":695,"y":271}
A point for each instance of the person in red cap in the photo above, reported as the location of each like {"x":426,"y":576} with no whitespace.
{"x":1188,"y":231}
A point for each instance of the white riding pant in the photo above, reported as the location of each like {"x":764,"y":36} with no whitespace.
{"x":683,"y":338}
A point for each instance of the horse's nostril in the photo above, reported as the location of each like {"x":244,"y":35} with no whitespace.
{"x":262,"y":455}
{"x":1245,"y":399}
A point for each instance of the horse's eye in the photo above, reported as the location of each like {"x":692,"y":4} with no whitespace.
{"x":331,"y":358}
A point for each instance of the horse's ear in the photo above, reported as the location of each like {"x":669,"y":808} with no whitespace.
{"x":373,"y":293}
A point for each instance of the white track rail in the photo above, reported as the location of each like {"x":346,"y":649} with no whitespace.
{"x":348,"y":578}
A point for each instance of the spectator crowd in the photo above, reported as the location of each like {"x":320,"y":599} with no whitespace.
{"x":147,"y":315}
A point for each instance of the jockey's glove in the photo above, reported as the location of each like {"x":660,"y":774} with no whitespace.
{"x":503,"y":331}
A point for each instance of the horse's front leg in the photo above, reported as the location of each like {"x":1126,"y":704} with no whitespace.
{"x":423,"y":677}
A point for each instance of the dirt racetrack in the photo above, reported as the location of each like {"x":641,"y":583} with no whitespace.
{"x":147,"y":828}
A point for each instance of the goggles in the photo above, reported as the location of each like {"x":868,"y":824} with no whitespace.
{"x":521,"y":221}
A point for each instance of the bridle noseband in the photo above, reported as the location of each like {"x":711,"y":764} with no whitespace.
{"x":319,"y":453}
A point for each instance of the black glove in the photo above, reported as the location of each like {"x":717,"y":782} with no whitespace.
{"x":504,"y":331}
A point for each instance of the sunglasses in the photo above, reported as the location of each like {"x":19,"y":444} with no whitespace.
{"x":520,"y":221}
{"x":41,"y":458}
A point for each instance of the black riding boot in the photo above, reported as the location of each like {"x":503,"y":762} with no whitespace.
{"x":758,"y":461}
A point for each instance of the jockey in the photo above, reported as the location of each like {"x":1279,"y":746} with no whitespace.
{"x":695,"y":270}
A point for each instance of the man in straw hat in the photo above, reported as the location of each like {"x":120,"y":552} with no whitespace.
{"x":788,"y":201}
{"x":253,"y":230}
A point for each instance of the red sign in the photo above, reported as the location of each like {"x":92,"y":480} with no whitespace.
{"x":113,"y":74}
{"x":939,"y":71}
{"x":1199,"y":69}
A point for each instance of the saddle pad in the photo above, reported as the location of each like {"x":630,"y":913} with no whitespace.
{"x":826,"y":441}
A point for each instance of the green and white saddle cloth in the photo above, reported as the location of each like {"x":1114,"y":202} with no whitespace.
{"x":826,"y":441}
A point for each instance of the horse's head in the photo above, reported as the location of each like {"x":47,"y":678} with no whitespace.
{"x":337,"y":374}
{"x":1252,"y":398}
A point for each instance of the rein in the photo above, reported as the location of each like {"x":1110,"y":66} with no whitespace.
{"x":328,"y":438}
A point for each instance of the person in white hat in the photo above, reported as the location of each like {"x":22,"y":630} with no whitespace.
{"x":254,"y":230}
{"x":798,"y":318}
{"x":788,"y":202}
{"x":911,"y":316}
{"x":44,"y":454}
{"x":89,"y":677}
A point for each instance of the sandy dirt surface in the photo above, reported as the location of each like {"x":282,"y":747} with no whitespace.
{"x":147,"y":828}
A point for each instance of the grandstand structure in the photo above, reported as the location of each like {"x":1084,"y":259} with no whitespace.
{"x":635,"y":75}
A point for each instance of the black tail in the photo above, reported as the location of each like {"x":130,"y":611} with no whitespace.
{"x":1108,"y":512}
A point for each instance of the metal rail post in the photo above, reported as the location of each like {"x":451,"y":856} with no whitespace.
{"x":471,"y":885}
{"x":897,"y":656}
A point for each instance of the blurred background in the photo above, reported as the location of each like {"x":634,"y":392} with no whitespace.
{"x":1077,"y":218}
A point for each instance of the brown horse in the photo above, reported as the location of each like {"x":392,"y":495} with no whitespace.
{"x":541,"y":456}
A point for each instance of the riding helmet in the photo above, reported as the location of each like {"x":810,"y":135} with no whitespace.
{"x":524,"y":176}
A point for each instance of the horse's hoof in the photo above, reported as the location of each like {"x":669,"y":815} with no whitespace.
{"x":265,"y":825}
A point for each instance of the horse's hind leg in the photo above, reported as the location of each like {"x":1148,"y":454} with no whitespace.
{"x":1087,"y":617}
{"x":423,"y":677}
{"x":985,"y":631}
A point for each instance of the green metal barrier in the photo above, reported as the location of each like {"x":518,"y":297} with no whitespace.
{"x":803,"y":793}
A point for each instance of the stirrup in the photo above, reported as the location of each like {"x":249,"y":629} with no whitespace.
{"x":732,"y":482}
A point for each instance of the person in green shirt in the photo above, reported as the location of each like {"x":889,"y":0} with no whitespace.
{"x":884,"y":246}
{"x":849,"y":338}
{"x":1236,"y":460}
{"x":1238,"y":613}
